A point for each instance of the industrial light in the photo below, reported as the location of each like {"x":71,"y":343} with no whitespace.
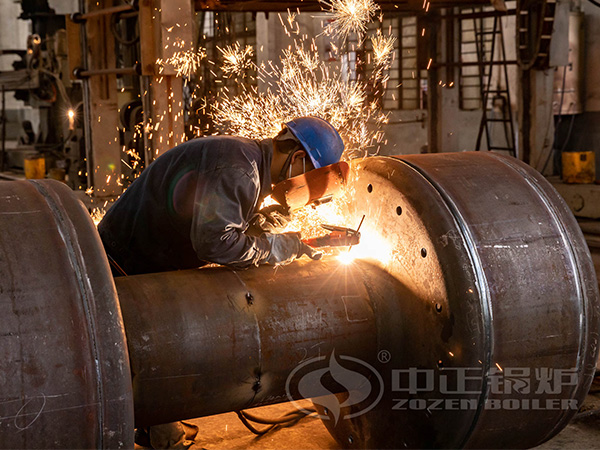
{"x":71,"y":116}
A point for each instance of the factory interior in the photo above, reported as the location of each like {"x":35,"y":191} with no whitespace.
{"x":419,"y":268}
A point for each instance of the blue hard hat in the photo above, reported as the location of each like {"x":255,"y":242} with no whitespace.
{"x":321,"y":141}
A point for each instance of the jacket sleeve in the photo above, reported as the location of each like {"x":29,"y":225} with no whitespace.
{"x":225,"y":198}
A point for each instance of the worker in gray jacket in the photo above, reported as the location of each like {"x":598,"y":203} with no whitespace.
{"x":194,"y":204}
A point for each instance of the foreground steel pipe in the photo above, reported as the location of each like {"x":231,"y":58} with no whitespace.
{"x":205,"y":342}
{"x":484,"y":269}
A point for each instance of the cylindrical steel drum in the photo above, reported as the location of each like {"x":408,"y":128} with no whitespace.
{"x":64,"y":369}
{"x":492,"y":339}
{"x":214,"y":340}
{"x":476,"y":323}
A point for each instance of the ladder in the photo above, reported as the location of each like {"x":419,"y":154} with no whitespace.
{"x":495,"y":100}
{"x":535,"y":22}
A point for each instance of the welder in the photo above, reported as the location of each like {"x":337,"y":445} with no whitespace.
{"x":199,"y":202}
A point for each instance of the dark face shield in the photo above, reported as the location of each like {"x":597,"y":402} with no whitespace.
{"x":288,"y":143}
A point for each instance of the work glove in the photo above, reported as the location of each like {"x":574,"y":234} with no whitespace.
{"x":269,"y":220}
{"x":309,"y":251}
{"x":286,"y":247}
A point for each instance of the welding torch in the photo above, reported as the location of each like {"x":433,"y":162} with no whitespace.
{"x":339,"y":237}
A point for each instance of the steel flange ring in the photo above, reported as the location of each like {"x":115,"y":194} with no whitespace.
{"x":495,"y":290}
{"x":64,"y":367}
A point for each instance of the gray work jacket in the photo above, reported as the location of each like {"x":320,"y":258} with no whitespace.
{"x":191,"y":206}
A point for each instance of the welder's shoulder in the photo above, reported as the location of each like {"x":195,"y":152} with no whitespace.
{"x":225,"y":152}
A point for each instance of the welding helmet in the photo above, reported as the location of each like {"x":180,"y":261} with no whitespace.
{"x":321,"y":141}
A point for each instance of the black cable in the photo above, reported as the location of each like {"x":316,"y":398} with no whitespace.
{"x":287,"y":417}
{"x":251,"y":428}
{"x":116,"y":265}
{"x":538,"y":37}
{"x":594,"y":2}
{"x":286,"y":420}
{"x":114,"y":20}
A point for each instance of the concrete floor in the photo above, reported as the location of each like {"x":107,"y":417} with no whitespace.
{"x":584,"y":430}
{"x":226,"y":432}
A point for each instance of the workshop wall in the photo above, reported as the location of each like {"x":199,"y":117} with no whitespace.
{"x":584,"y":133}
{"x":458,"y":127}
{"x":13,"y":36}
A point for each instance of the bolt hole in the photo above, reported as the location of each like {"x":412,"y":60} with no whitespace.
{"x":350,"y":439}
{"x":424,"y":252}
{"x":438,"y":307}
{"x":370,"y":188}
{"x":399,"y":210}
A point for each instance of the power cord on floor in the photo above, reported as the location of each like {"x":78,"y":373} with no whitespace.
{"x":287,"y":420}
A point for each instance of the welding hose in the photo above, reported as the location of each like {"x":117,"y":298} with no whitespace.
{"x":288,"y":419}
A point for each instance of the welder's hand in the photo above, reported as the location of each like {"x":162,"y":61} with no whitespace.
{"x":270,"y":219}
{"x":276,"y":216}
{"x":286,"y":247}
{"x":305,"y":249}
{"x":309,"y":251}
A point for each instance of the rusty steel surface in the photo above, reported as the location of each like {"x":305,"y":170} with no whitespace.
{"x":487,"y":271}
{"x":64,"y":373}
{"x":214,"y":340}
{"x":495,"y":277}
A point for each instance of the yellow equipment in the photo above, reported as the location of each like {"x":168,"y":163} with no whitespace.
{"x":578,"y":167}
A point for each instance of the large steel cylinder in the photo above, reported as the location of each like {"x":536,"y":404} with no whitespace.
{"x":499,"y":289}
{"x":471,"y":268}
{"x":64,"y":369}
{"x":214,"y":340}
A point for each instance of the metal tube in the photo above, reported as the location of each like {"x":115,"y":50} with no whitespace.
{"x":209,"y":341}
{"x":475,"y":63}
{"x":480,"y":14}
{"x":102,"y":12}
{"x":111,"y":71}
{"x":87,"y":106}
{"x":147,"y":109}
{"x":500,"y":280}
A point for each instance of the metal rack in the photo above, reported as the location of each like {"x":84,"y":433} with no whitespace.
{"x":482,"y":50}
{"x":499,"y":93}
